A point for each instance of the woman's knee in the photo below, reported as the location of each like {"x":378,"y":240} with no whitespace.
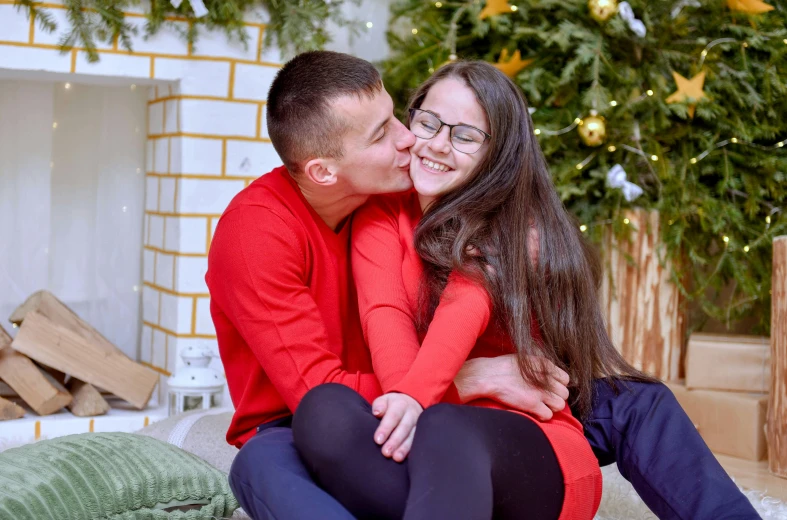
{"x":323,"y":423}
{"x":436,"y":420}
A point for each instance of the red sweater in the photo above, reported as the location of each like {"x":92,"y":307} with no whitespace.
{"x":387,"y":272}
{"x":283,"y":304}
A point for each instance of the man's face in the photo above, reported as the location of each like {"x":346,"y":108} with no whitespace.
{"x":376,"y":146}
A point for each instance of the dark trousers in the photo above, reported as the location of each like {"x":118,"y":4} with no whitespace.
{"x":643,"y":429}
{"x":466,"y":462}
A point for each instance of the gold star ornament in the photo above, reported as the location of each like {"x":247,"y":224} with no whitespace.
{"x":511,"y":67}
{"x":688,"y":88}
{"x":494,"y":7}
{"x":749,"y":6}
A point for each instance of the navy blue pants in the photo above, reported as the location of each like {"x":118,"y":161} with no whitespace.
{"x":643,"y":429}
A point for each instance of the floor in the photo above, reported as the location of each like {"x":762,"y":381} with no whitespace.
{"x":755,"y":475}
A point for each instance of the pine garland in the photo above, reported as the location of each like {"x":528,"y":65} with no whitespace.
{"x":295,"y":25}
{"x":737,"y":191}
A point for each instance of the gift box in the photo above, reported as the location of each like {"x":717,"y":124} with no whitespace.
{"x":728,"y":362}
{"x":731,"y":423}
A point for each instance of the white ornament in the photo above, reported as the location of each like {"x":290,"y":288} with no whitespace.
{"x":616,"y":178}
{"x":195,"y":385}
{"x":636,"y":25}
{"x":680,"y":5}
{"x":196,"y":5}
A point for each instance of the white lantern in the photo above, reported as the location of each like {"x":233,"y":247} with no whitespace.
{"x":195,"y":386}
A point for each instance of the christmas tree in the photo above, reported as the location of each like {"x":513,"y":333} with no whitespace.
{"x":677,"y":106}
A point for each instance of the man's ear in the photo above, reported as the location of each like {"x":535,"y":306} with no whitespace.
{"x":321,"y":171}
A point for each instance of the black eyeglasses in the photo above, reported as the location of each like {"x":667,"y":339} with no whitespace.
{"x":464,"y":138}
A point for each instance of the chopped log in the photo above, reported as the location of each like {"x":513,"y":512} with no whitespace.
{"x":643,"y":307}
{"x":87,"y":400}
{"x":31,"y":384}
{"x":777,"y":404}
{"x":46,"y":304}
{"x":59,"y":347}
{"x":9,"y":410}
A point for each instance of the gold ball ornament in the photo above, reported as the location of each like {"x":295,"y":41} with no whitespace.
{"x":593,"y":130}
{"x":602,"y":10}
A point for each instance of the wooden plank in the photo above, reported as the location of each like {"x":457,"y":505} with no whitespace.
{"x":777,"y":404}
{"x":9,"y":410}
{"x":42,"y":394}
{"x":87,"y":400}
{"x":47,"y":304}
{"x":59,"y":347}
{"x":7,"y":391}
{"x":642,"y":306}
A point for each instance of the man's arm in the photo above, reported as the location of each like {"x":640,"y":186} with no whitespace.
{"x":257,"y":275}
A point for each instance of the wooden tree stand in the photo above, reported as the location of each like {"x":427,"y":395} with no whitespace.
{"x":777,"y":404}
{"x":641,"y":304}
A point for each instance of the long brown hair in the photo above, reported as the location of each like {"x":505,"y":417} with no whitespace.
{"x":491,"y":214}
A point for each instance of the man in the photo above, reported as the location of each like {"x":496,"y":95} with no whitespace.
{"x":284,"y":307}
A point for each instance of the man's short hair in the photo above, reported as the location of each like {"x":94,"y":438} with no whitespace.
{"x":301,"y":123}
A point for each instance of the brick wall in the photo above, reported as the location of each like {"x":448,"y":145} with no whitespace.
{"x":206,"y":141}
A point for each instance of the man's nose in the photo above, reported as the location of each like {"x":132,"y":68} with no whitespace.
{"x":407,"y":138}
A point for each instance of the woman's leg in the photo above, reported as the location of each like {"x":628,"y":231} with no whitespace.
{"x":333,"y":429}
{"x":472,"y":463}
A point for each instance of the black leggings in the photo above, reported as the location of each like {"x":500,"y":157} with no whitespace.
{"x":466,"y":462}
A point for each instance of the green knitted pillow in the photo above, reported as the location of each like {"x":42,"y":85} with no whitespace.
{"x":117,"y":476}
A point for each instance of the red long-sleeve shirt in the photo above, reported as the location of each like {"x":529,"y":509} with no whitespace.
{"x":283,"y":304}
{"x":387,"y":272}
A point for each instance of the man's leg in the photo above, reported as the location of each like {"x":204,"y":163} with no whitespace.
{"x":271,"y":483}
{"x":658,"y":450}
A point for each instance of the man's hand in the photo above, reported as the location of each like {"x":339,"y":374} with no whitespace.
{"x":399,"y":413}
{"x":499,"y":379}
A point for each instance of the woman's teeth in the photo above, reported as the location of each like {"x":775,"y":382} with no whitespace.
{"x":434,"y":165}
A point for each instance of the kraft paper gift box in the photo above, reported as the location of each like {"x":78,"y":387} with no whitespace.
{"x":728,"y":362}
{"x":731,"y":423}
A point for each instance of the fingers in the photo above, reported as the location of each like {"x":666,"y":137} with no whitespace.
{"x":391,"y":419}
{"x":404,"y":448}
{"x":554,"y":402}
{"x":561,"y":375}
{"x":542,"y":412}
{"x":400,"y":434}
{"x":380,"y":405}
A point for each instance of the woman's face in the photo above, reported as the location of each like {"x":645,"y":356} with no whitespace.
{"x":436,"y":167}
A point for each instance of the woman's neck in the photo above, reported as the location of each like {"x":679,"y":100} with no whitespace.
{"x":425,"y":201}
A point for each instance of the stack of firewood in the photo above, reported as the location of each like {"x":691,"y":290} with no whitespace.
{"x":57,"y":360}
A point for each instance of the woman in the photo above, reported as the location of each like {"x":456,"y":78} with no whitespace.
{"x":445,"y":273}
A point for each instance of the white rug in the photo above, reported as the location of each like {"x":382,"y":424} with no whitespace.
{"x":620,"y":502}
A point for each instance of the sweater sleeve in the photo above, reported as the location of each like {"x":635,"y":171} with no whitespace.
{"x":460,"y":318}
{"x":386,"y":311}
{"x":257,"y":275}
{"x":386,"y":314}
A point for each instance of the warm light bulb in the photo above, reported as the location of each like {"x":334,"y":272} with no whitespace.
{"x":415,"y":31}
{"x":579,"y":166}
{"x":537,"y":131}
{"x":438,"y":4}
{"x":704,"y":53}
{"x":612,"y":148}
{"x":431,"y":69}
{"x":779,"y":145}
{"x":734,"y":140}
{"x":693,"y":160}
{"x":745,"y":44}
{"x":650,"y":92}
{"x":577,"y":121}
{"x":583,"y":228}
{"x":726,"y":239}
{"x":768,"y":219}
{"x":654,"y":158}
{"x":626,"y":221}
{"x":613,"y":103}
{"x":514,"y":8}
{"x":745,"y":249}
{"x":369,"y":25}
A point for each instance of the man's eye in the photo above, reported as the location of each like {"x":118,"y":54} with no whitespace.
{"x":381,"y":137}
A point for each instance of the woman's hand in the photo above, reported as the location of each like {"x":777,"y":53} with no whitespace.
{"x":399,"y":413}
